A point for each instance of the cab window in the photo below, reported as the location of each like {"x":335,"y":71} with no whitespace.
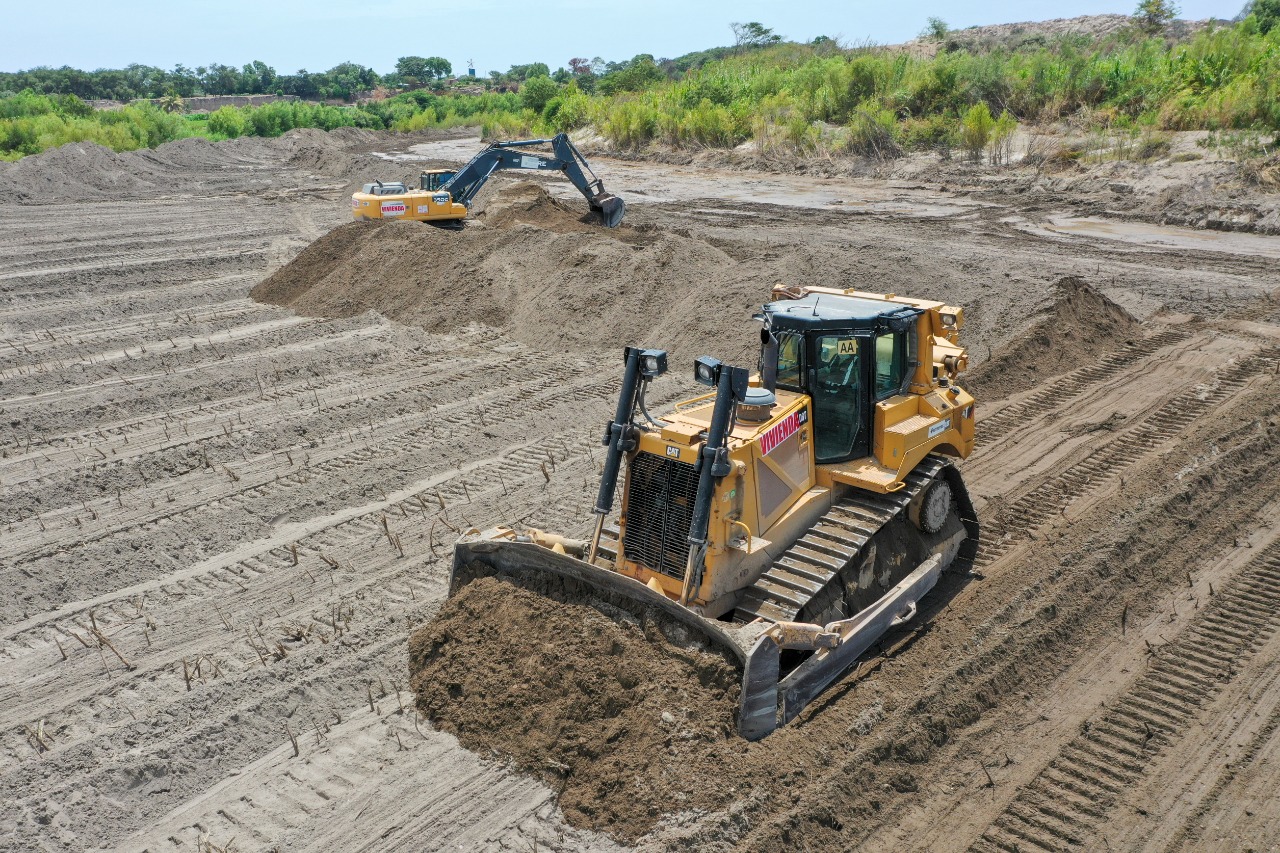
{"x":837,"y":403}
{"x":891,"y":362}
{"x":790,"y":353}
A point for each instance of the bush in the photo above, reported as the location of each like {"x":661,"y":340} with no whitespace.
{"x":630,"y":124}
{"x":975,"y":130}
{"x":536,"y":92}
{"x":227,"y":121}
{"x":929,"y":133}
{"x":873,"y":133}
{"x":569,"y":110}
{"x":1000,"y":146}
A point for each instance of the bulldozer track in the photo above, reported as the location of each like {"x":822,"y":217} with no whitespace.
{"x":124,"y":439}
{"x":1075,"y":792}
{"x":1023,"y":517}
{"x":532,"y":397}
{"x":1057,"y":393}
{"x":833,"y":544}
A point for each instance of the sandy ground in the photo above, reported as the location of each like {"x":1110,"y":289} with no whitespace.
{"x":223,"y":519}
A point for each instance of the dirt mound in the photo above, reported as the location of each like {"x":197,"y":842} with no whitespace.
{"x":83,"y":169}
{"x":1081,"y":326}
{"x":529,"y":203}
{"x":86,"y":170}
{"x":560,"y":282}
{"x":625,"y":725}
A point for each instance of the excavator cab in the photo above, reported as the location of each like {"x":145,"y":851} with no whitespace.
{"x":434,"y":179}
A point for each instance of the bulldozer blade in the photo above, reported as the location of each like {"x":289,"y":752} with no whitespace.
{"x":611,"y":209}
{"x":495,"y":553}
{"x":771,"y":697}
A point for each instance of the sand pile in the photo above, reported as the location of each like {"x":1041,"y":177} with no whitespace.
{"x":86,"y":170}
{"x":530,"y":204}
{"x":1080,"y":327}
{"x":78,"y":169}
{"x":626,"y":726}
{"x":535,"y":268}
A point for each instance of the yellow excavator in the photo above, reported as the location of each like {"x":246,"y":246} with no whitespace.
{"x":443,"y":196}
{"x":791,"y":516}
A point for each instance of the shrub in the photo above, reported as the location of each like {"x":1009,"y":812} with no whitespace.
{"x":1000,"y":146}
{"x":630,"y":124}
{"x":227,"y":121}
{"x":873,"y":133}
{"x":536,"y":92}
{"x":975,"y":130}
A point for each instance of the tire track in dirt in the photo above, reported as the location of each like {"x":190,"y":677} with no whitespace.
{"x":1057,"y":393}
{"x":487,"y":485}
{"x":137,"y":760}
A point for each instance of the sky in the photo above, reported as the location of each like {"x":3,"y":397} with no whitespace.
{"x":318,"y":34}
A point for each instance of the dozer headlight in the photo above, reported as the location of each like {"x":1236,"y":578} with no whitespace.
{"x":949,"y":321}
{"x":706,"y":370}
{"x":653,"y":362}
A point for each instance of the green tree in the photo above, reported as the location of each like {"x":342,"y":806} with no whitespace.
{"x":536,"y":92}
{"x":1152,"y":16}
{"x":638,"y":73}
{"x":438,"y":67}
{"x":412,"y":66}
{"x":935,"y":29}
{"x":257,"y":77}
{"x":526,"y":72}
{"x":753,"y":34}
{"x":172,"y":102}
{"x":1266,"y":13}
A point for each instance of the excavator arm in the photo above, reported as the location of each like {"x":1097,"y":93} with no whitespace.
{"x":515,"y":155}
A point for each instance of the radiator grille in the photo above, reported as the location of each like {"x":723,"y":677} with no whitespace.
{"x":660,"y":498}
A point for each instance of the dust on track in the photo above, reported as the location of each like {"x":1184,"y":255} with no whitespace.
{"x":270,"y":509}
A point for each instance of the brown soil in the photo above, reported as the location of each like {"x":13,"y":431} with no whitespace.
{"x":256,"y":510}
{"x":624,"y":725}
{"x":530,"y":204}
{"x":534,"y":268}
{"x":1080,"y":327}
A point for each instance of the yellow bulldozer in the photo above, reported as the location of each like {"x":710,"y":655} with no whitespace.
{"x":789,"y":517}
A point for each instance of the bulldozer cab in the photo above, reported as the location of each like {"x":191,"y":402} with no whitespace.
{"x":846,"y":354}
{"x":434,"y":179}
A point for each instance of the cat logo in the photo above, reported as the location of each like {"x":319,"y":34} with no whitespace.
{"x":673,"y":452}
{"x":847,"y":346}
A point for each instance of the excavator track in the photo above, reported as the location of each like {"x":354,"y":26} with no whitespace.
{"x":813,"y":573}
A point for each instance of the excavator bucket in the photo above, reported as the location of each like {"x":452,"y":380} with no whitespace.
{"x":611,"y":209}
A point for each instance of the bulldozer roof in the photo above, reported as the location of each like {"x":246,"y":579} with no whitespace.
{"x":832,"y":311}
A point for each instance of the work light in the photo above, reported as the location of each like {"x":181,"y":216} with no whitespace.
{"x":706,"y":370}
{"x":653,"y":362}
